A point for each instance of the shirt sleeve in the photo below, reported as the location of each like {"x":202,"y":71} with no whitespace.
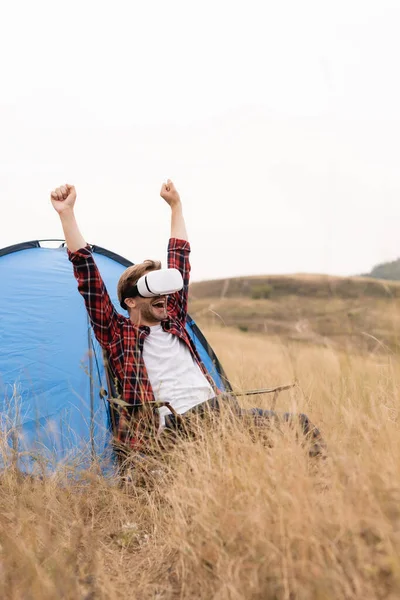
{"x":178,"y":258}
{"x":103,"y":316}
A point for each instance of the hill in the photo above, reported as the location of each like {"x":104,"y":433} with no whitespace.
{"x":343,"y":312}
{"x":387,"y":270}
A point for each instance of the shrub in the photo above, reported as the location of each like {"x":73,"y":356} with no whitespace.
{"x":262,"y":291}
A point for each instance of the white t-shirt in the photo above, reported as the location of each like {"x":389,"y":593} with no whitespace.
{"x":174,"y":374}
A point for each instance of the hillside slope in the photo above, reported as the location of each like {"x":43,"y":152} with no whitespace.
{"x":387,"y":270}
{"x":345,"y":313}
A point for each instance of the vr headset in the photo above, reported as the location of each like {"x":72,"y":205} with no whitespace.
{"x":156,"y":283}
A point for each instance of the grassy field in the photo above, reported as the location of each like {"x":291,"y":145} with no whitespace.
{"x":231,"y":516}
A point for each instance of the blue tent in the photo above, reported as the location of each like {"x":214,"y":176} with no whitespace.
{"x":53,"y":408}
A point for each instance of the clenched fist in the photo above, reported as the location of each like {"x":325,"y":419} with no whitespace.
{"x":170,"y":194}
{"x":63,"y":198}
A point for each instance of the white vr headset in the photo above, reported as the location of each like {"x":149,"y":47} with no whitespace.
{"x":156,"y":283}
{"x":160,"y":283}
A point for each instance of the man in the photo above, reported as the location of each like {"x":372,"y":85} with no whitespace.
{"x":150,"y":352}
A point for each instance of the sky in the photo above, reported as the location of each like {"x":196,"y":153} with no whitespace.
{"x":278,"y":122}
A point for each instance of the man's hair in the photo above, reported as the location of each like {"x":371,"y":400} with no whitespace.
{"x":131,"y":276}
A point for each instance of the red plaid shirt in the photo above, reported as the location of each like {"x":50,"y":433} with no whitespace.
{"x":120,"y":338}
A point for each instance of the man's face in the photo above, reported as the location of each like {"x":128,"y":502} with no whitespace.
{"x":152,"y":310}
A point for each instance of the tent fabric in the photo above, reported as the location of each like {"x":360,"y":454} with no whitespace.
{"x":52,"y":372}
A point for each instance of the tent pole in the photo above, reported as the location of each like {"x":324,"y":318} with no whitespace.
{"x":91,"y":427}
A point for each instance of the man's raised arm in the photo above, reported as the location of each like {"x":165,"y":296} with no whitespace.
{"x":63,"y":200}
{"x":171,"y":197}
{"x":104,"y":318}
{"x":178,"y":251}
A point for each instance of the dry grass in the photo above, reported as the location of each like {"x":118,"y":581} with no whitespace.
{"x":228,"y":517}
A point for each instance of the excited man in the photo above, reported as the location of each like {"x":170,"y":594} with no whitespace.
{"x":150,"y":353}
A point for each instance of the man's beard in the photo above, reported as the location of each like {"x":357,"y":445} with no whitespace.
{"x":148,"y":313}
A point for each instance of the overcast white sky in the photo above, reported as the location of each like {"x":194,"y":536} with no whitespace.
{"x":279,"y":122}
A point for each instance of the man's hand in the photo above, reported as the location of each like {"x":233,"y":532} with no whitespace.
{"x":169,"y":194}
{"x":63,"y":198}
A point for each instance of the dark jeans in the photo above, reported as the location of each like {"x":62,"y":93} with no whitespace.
{"x":256,"y":416}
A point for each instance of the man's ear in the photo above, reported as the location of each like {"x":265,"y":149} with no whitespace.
{"x":130,"y":302}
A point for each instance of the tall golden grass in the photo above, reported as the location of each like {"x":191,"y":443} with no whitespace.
{"x":229,"y":516}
